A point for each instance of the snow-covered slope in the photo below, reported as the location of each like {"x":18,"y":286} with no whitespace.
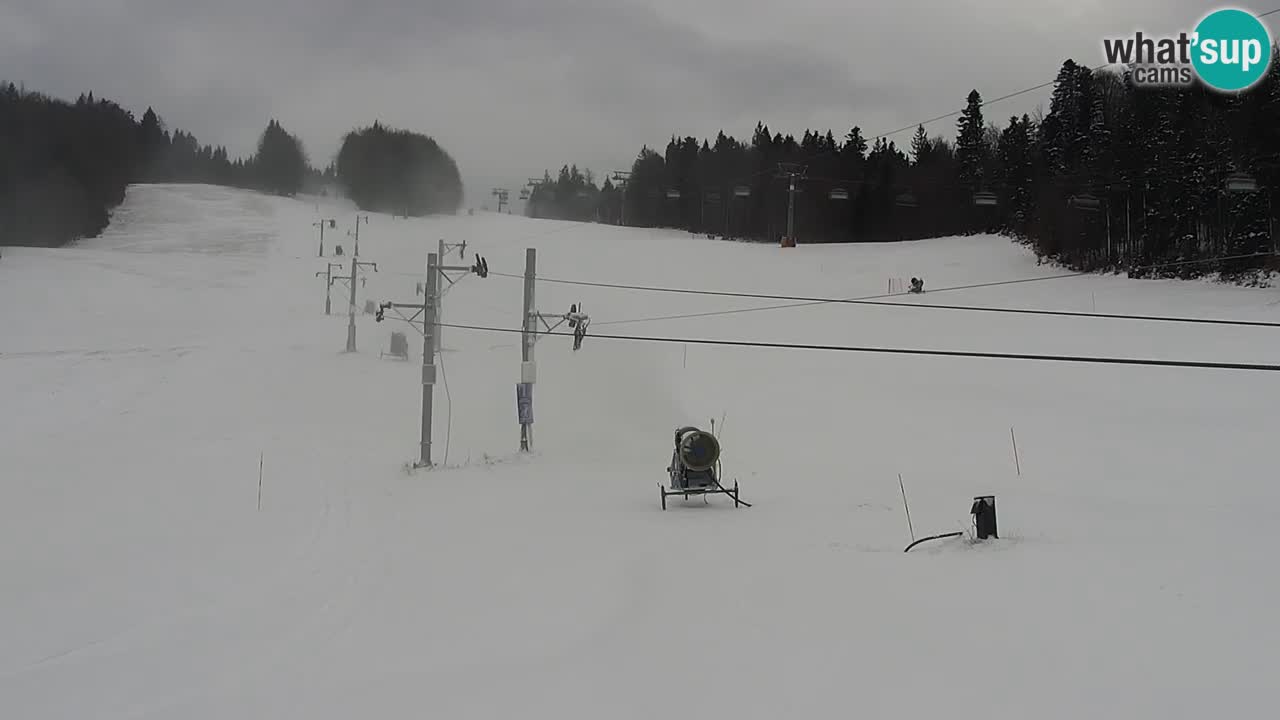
{"x":144,"y":375}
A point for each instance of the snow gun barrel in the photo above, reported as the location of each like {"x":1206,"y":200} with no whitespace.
{"x":698,"y":450}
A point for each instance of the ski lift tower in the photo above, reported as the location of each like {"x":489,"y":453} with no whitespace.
{"x":791,"y":172}
{"x":425,"y":315}
{"x":621,"y":178}
{"x":502,"y":196}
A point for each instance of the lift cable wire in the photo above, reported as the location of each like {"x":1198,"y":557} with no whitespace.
{"x":879,"y":300}
{"x":901,"y":351}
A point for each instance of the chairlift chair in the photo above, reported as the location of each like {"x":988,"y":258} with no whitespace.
{"x":1085,"y":202}
{"x":1240,"y":182}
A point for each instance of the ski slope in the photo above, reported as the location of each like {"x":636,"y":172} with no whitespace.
{"x":145,"y":374}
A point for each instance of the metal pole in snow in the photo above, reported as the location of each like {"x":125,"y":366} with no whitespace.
{"x":351,"y":310}
{"x":328,"y":283}
{"x":1108,"y":209}
{"x":1128,"y":234}
{"x":526,"y":336}
{"x":906,"y":507}
{"x":1016,"y":462}
{"x":440,"y":300}
{"x":428,"y":355}
{"x":791,"y":211}
{"x":1271,"y":222}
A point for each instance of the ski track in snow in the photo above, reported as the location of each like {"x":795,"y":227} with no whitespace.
{"x":1132,"y":578}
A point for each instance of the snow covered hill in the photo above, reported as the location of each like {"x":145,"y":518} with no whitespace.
{"x":144,"y":376}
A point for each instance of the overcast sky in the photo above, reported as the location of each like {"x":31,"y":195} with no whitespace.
{"x":510,"y":88}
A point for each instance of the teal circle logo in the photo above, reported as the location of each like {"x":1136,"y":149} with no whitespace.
{"x":1232,"y":50}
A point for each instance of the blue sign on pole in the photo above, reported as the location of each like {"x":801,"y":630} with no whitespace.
{"x":524,"y":402}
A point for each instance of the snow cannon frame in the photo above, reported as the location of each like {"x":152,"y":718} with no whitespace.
{"x":695,"y":467}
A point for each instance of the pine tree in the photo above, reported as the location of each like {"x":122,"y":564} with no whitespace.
{"x":282,"y":164}
{"x":920,"y":146}
{"x":1061,"y":127}
{"x":1101,"y":152}
{"x":971,"y":150}
{"x":1016,"y":171}
{"x":855,"y":144}
{"x":154,"y":146}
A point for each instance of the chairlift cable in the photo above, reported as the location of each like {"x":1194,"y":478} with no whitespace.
{"x":881,"y":300}
{"x":1080,"y":359}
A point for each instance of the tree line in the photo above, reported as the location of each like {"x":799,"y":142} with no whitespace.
{"x":1114,"y":176}
{"x":64,"y":166}
{"x":573,"y":195}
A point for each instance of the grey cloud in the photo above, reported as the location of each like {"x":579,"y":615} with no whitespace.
{"x":513,"y":87}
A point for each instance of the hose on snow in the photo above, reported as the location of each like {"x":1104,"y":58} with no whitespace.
{"x":933,"y":537}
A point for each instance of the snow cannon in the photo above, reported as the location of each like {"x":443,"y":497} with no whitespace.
{"x":697,"y":452}
{"x":695,"y":467}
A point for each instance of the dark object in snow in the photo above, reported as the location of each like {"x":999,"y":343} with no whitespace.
{"x":695,"y":467}
{"x":917,"y":285}
{"x":399,"y":346}
{"x":984,"y":516}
